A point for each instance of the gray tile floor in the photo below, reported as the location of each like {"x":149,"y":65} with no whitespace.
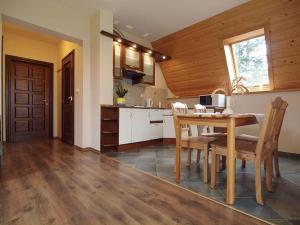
{"x":281,"y":207}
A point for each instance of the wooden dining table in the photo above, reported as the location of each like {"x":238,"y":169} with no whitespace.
{"x":216,"y":120}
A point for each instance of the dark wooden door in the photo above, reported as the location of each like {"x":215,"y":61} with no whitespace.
{"x":29,"y":108}
{"x":68,"y":98}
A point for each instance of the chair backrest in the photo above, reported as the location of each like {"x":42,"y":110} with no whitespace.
{"x":280,"y":118}
{"x":200,"y":109}
{"x":179,"y":108}
{"x":270,"y":127}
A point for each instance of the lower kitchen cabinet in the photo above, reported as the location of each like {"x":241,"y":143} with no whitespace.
{"x":132,"y":126}
{"x":140,"y":125}
{"x":125,"y":128}
{"x":156,"y":130}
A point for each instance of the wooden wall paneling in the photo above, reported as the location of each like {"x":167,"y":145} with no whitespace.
{"x":197,"y":50}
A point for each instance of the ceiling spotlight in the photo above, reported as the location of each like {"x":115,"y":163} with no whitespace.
{"x":119,"y":40}
{"x":134,"y":45}
{"x":163,"y":57}
{"x":150,"y":52}
{"x":146,"y":34}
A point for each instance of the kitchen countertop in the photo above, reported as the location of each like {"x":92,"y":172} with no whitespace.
{"x":135,"y":107}
{"x":132,"y":107}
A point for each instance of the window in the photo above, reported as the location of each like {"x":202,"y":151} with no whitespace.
{"x":246,"y":57}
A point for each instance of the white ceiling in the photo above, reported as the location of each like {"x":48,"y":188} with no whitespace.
{"x":158,"y":18}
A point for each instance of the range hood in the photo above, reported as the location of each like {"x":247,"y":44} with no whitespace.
{"x":135,"y":75}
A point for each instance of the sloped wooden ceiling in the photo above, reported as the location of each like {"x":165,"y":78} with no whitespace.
{"x":198,"y":64}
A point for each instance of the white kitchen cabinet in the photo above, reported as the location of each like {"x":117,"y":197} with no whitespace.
{"x":156,"y":131}
{"x":125,"y":128}
{"x":168,"y":127}
{"x":140,"y":123}
{"x":156,"y":114}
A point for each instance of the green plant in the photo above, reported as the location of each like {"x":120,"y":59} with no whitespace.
{"x":120,"y":90}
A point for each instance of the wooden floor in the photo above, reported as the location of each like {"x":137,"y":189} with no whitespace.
{"x":48,"y":182}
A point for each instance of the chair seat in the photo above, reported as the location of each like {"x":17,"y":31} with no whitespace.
{"x":244,"y":149}
{"x":246,"y":137}
{"x":196,"y":142}
{"x":215,"y":134}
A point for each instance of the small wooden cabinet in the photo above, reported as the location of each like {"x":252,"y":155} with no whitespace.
{"x":130,"y":58}
{"x":109,"y":134}
{"x":148,"y":69}
{"x":117,"y":63}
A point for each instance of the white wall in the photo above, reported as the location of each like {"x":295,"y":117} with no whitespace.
{"x":69,"y":24}
{"x":256,"y":103}
{"x":101,"y":69}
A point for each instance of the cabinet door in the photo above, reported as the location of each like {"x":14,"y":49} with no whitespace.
{"x":140,"y":125}
{"x":125,"y":126}
{"x":156,"y":114}
{"x":132,"y":58}
{"x":117,"y":61}
{"x":156,"y":130}
{"x":149,"y":69}
{"x":168,"y":127}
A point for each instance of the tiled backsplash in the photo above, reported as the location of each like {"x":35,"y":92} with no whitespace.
{"x":138,"y":93}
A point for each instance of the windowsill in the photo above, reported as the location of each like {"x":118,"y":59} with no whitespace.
{"x":265,"y":91}
{"x":250,"y":93}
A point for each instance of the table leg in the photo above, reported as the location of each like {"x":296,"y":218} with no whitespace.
{"x":178,"y":152}
{"x":230,"y":162}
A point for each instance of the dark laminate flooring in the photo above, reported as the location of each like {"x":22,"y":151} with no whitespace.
{"x":47,"y":182}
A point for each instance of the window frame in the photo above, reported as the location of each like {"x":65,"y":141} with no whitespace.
{"x":231,"y":63}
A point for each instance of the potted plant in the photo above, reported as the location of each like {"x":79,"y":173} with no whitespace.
{"x":121,"y":92}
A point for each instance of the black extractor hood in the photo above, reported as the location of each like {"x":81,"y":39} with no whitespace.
{"x":135,"y":75}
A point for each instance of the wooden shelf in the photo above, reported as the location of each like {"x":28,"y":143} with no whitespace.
{"x":109,"y":119}
{"x":158,"y":56}
{"x":110,"y":145}
{"x":110,"y":132}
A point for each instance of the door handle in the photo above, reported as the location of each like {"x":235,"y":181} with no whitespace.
{"x":46,"y":102}
{"x":70,"y":98}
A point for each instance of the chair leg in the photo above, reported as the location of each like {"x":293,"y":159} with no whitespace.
{"x":205,"y":165}
{"x":218,"y":163}
{"x":189,"y":159}
{"x":243,"y":163}
{"x":198,"y":156}
{"x":269,"y":173}
{"x":258,"y":187}
{"x":223,"y":162}
{"x":213,"y":175}
{"x":276,"y":162}
{"x":180,"y":149}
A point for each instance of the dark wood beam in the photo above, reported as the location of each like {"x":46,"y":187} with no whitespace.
{"x":158,"y":56}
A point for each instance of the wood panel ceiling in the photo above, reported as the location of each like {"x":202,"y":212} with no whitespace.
{"x":198,"y":63}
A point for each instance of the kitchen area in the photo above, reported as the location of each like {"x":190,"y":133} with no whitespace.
{"x":142,"y":113}
{"x":138,"y":129}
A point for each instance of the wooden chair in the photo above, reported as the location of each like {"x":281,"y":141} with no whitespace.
{"x":201,"y":143}
{"x":255,"y":152}
{"x":254,"y":139}
{"x":209,"y":131}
